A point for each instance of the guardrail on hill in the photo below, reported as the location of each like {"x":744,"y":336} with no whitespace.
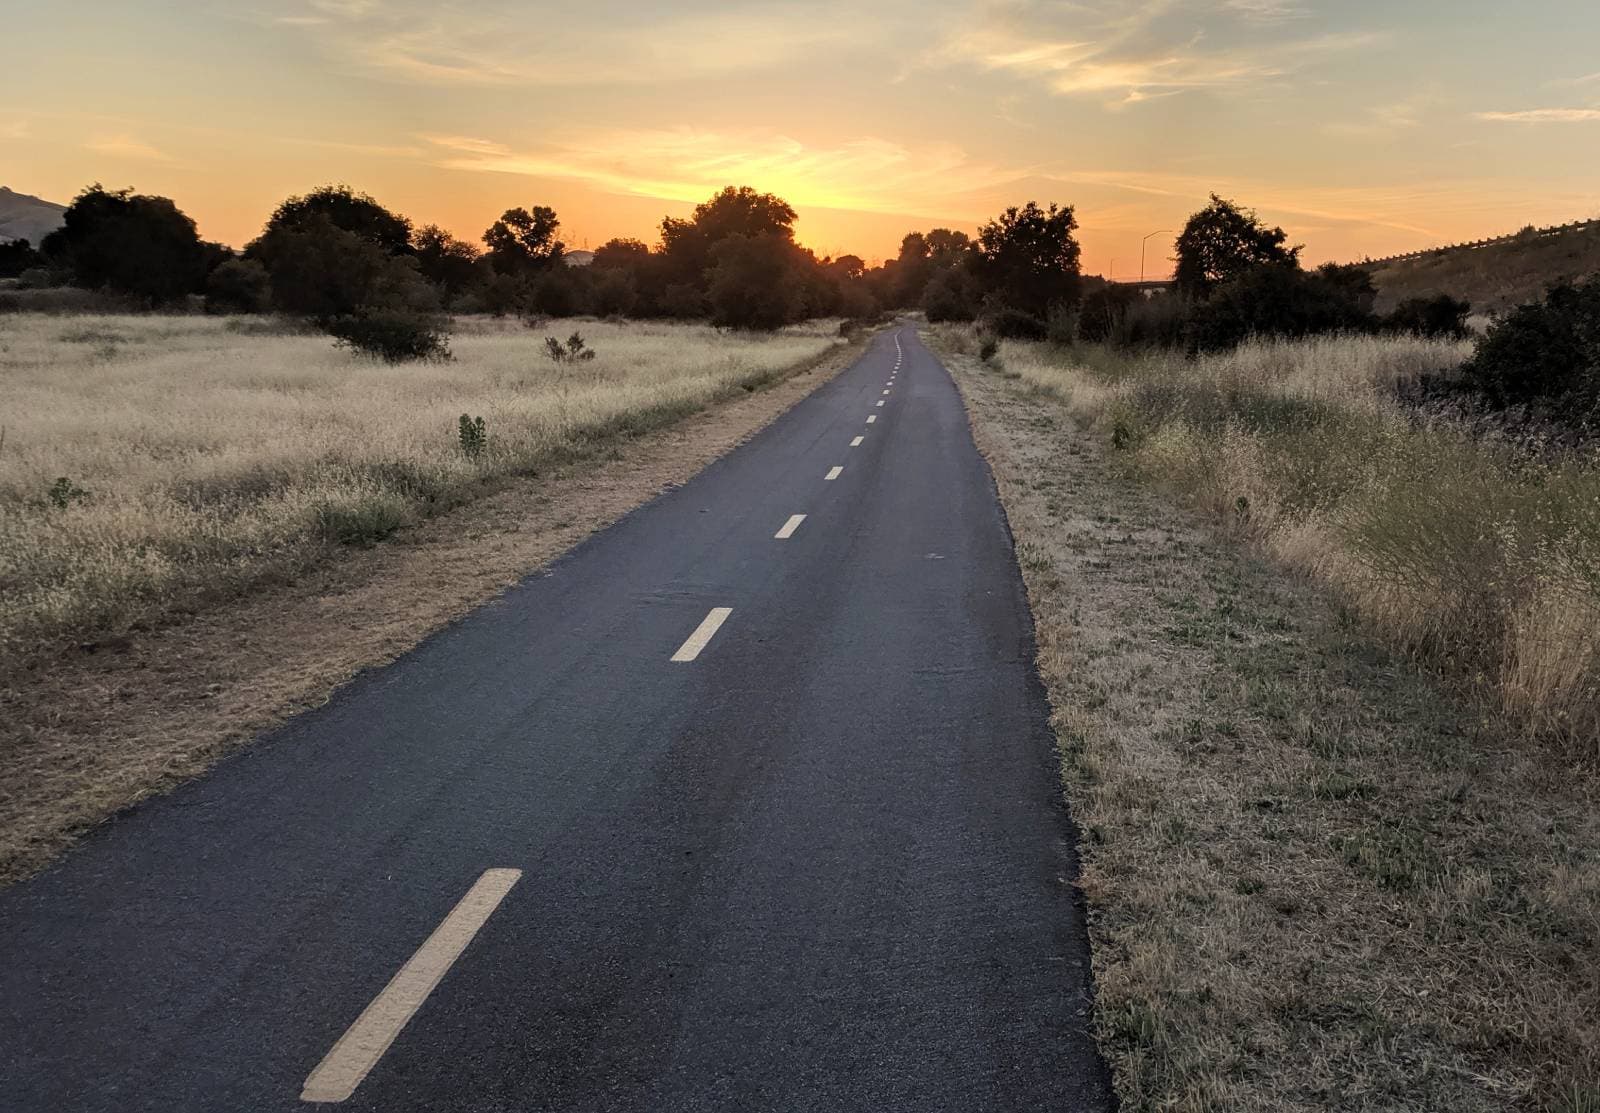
{"x":1472,"y":245}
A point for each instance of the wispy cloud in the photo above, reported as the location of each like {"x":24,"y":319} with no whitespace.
{"x":496,"y":43}
{"x":1132,"y":52}
{"x":1543,"y":116}
{"x":687,"y":164}
{"x":126,"y":146}
{"x":14,"y":129}
{"x":1387,"y":119}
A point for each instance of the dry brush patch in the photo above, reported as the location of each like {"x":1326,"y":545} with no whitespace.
{"x":94,"y":729}
{"x":154,"y":463}
{"x":1316,"y":880}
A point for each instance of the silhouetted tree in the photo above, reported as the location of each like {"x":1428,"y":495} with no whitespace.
{"x":127,"y":242}
{"x":753,"y":281}
{"x":447,"y":262}
{"x":524,"y":240}
{"x":687,"y":244}
{"x":238,"y":286}
{"x":17,"y":256}
{"x":323,"y":271}
{"x":1222,"y":242}
{"x":343,"y":208}
{"x":1029,"y":259}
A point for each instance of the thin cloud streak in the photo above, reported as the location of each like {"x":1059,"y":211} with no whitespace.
{"x":1543,"y":116}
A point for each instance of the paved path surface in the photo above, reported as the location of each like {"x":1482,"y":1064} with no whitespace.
{"x":817,"y":862}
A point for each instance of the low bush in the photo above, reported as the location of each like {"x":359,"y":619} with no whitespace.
{"x":238,"y":286}
{"x":1013,"y":324}
{"x":1441,"y":316}
{"x":575,"y":350}
{"x":1544,"y":356}
{"x":472,"y":435}
{"x":392,"y":335}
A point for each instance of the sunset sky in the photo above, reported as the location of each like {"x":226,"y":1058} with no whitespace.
{"x":1362,"y":126}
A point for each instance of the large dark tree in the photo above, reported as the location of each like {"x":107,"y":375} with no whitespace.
{"x":447,"y":262}
{"x":524,"y":240}
{"x":754,"y":281}
{"x":1222,"y":242}
{"x":130,"y":243}
{"x":323,"y":271}
{"x":345,"y":209}
{"x":688,"y":244}
{"x":1029,"y":259}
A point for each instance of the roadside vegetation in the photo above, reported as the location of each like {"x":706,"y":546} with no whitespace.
{"x":152,"y":463}
{"x":1318,"y":877}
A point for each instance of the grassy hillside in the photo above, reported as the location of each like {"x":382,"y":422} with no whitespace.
{"x":1494,"y":277}
{"x":27,"y":218}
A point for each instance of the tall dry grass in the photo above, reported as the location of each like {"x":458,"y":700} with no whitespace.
{"x":1462,"y":550}
{"x":214,"y":454}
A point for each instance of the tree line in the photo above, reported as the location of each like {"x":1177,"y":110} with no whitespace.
{"x":365,"y":273}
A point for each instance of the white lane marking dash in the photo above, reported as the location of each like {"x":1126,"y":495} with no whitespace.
{"x":789,"y":527}
{"x":364,"y":1042}
{"x":857,"y":442}
{"x":834,"y":472}
{"x":871,"y":418}
{"x":703,"y":633}
{"x":880,"y":401}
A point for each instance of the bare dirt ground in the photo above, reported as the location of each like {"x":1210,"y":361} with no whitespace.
{"x":85,"y":735}
{"x":1315,"y":881}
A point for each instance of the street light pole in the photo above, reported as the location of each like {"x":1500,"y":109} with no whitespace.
{"x":1157,"y":232}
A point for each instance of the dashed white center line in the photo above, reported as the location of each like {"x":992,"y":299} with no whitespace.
{"x":886,"y":392}
{"x":703,"y":633}
{"x":833,"y":473}
{"x":789,"y":527}
{"x":871,"y":418}
{"x":880,"y":401}
{"x":857,"y":442}
{"x":365,"y":1041}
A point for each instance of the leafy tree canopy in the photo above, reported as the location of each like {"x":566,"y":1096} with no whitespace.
{"x":1221,"y":242}
{"x":128,"y":242}
{"x":1031,"y":258}
{"x":524,"y":239}
{"x":345,"y":209}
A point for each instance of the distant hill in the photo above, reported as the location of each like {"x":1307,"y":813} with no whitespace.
{"x":27,"y":218}
{"x":1495,"y":274}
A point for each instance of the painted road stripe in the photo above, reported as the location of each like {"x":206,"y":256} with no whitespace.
{"x":871,"y":418}
{"x":857,"y":442}
{"x":833,"y":473}
{"x":703,"y":633}
{"x":880,"y":401}
{"x":365,"y":1041}
{"x":789,"y":527}
{"x":886,"y":392}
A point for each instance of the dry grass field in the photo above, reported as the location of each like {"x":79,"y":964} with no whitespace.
{"x":1317,"y":877}
{"x":1466,"y":553}
{"x":152,"y":464}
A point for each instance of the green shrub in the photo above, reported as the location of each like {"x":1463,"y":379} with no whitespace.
{"x":392,"y":335}
{"x":63,"y":493}
{"x":1544,"y":355}
{"x":472,"y":435}
{"x":1013,"y":324}
{"x":363,"y":524}
{"x":573,"y":351}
